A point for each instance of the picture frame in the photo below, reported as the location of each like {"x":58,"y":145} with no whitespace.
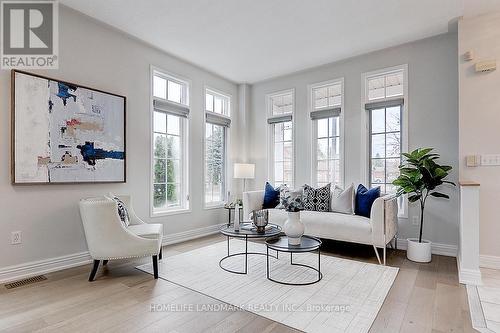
{"x":65,"y":133}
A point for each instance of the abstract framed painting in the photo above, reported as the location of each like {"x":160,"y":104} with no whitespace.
{"x":64,"y":133}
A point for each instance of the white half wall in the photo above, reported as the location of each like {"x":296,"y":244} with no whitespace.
{"x":95,"y":55}
{"x":480,"y":120}
{"x":433,"y":121}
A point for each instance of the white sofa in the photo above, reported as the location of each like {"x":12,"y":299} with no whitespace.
{"x":378,"y":230}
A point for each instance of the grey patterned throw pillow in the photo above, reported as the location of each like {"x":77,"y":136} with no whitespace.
{"x":317,"y":199}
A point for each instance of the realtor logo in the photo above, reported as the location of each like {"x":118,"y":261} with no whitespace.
{"x":29,"y":34}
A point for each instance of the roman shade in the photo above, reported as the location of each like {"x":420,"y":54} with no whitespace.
{"x":217,"y":119}
{"x":170,"y":108}
{"x":326,"y":113}
{"x":279,"y":119}
{"x":384,"y":104}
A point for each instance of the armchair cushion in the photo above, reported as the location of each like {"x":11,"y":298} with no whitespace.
{"x":146,"y":230}
{"x":122,"y":211}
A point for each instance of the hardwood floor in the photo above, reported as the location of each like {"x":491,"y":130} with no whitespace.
{"x":424,"y":298}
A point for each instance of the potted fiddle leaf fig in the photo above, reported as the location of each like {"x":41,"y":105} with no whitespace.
{"x":420,"y":176}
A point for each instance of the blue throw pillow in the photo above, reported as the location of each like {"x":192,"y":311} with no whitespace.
{"x":364,"y":200}
{"x":271,"y":197}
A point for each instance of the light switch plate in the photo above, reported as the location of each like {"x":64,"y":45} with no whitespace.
{"x":490,"y":160}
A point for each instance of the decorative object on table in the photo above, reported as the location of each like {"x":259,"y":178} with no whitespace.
{"x":260,"y":219}
{"x":271,"y":196}
{"x":231,"y":209}
{"x":65,"y":133}
{"x":420,"y":175}
{"x":342,"y":200}
{"x":293,"y":204}
{"x":365,"y":199}
{"x":232,"y":204}
{"x":317,"y":199}
{"x":244,"y":171}
{"x":237,"y":217}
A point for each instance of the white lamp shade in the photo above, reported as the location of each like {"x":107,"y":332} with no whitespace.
{"x":244,"y":170}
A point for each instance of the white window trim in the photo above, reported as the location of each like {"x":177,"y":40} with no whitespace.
{"x":186,"y":188}
{"x":270,"y":134}
{"x":314,"y":130}
{"x":227,"y":159}
{"x":365,"y":149}
{"x":208,"y":89}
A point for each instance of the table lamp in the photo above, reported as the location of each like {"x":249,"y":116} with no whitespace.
{"x":244,"y":171}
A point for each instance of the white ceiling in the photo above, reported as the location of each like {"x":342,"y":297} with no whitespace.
{"x":252,"y":40}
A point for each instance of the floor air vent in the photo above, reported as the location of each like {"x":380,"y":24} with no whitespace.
{"x":25,"y":282}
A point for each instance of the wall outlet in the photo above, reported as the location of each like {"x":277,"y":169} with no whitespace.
{"x":15,"y":237}
{"x":415,"y":220}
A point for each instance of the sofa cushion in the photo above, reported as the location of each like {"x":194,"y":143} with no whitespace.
{"x":338,"y":226}
{"x":287,"y":194}
{"x":317,"y":199}
{"x":271,"y":196}
{"x":342,"y":201}
{"x":146,"y":230}
{"x":365,"y":198}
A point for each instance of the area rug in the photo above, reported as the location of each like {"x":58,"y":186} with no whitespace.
{"x":347,"y":299}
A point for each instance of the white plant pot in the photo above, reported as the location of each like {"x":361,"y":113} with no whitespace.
{"x":293,"y":228}
{"x":419,"y":252}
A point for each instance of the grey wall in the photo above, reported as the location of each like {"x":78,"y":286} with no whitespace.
{"x":95,"y":55}
{"x":433,"y":119}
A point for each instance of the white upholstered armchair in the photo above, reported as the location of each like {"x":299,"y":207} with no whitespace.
{"x":107,"y":238}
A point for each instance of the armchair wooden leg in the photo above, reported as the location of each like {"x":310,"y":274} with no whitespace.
{"x":161,"y":254}
{"x":105,"y":262}
{"x":155,"y":266}
{"x":94,"y":270}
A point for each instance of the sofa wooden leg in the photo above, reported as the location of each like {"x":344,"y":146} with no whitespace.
{"x":376,"y":252}
{"x":94,"y":270}
{"x":155,"y":266}
{"x":160,"y":256}
{"x":385,"y":251}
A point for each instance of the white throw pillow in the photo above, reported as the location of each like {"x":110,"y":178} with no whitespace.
{"x":342,"y":201}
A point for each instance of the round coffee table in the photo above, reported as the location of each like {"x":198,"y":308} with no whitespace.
{"x":307,"y":244}
{"x":247,"y":230}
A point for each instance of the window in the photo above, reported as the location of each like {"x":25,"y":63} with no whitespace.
{"x":385,"y":104}
{"x":217,"y":110}
{"x":326,"y":106}
{"x":169,"y":158}
{"x":281,"y":156}
{"x":385,"y":147}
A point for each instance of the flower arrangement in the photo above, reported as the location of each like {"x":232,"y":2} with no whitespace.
{"x":292,"y":201}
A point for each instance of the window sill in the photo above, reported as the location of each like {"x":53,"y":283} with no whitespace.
{"x":216,"y":206}
{"x":170,"y":212}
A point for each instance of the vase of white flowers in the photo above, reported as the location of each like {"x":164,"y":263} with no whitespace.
{"x":293,"y":227}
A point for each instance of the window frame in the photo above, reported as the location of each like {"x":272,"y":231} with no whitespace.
{"x":185,"y":202}
{"x":227,"y":136}
{"x":314,"y":130}
{"x":270,"y":134}
{"x":366,"y":119}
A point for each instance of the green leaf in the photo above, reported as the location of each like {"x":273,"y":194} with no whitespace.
{"x":414,"y":198}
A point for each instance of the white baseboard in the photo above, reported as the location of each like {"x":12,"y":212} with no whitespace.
{"x":191,"y":234}
{"x":436,"y":248}
{"x":17,"y":272}
{"x":489,"y":261}
{"x":469,"y":276}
